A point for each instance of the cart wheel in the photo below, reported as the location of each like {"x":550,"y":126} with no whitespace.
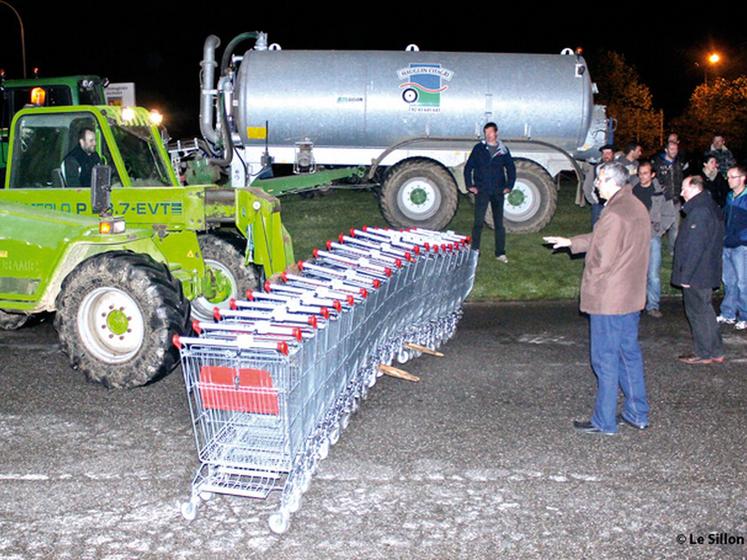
{"x":206,"y":496}
{"x":189,"y":510}
{"x":356,"y":404}
{"x":364,"y":390}
{"x":345,"y":420}
{"x":294,"y":501}
{"x":279,"y":522}
{"x":324,"y":449}
{"x":334,"y":435}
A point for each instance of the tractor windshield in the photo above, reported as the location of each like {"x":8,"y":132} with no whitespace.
{"x":141,"y":157}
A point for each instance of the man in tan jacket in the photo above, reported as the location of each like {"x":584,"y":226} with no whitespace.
{"x":613,"y":292}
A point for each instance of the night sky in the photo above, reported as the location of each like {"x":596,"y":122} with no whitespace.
{"x":158,"y":45}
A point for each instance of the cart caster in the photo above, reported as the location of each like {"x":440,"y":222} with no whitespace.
{"x":189,"y":510}
{"x":345,"y":420}
{"x":356,"y":404}
{"x":279,"y":522}
{"x":206,"y":496}
{"x":334,"y":435}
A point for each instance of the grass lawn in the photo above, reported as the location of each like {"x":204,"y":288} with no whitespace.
{"x":533,"y":271}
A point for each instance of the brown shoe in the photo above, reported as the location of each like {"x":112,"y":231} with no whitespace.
{"x":697,"y":361}
{"x":655,"y":313}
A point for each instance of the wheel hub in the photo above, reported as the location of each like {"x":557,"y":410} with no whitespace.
{"x":111,"y":325}
{"x":522,"y":203}
{"x":419,"y":199}
{"x":222,"y":286}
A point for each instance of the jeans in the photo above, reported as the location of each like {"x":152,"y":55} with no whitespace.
{"x":653,"y":277}
{"x":617,"y":361}
{"x":707,"y":341}
{"x":734,"y":304}
{"x":495,"y":199}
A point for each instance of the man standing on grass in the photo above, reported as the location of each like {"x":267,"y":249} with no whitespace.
{"x":613,"y":292}
{"x":490,"y":175}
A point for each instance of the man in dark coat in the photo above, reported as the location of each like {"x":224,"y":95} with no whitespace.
{"x":79,"y":163}
{"x":697,"y":269}
{"x":490,"y":174}
{"x":613,"y":292}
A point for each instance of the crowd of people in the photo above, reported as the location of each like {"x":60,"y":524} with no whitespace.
{"x":635,"y":203}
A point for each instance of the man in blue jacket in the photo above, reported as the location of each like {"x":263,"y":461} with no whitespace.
{"x":490,"y":174}
{"x":734,"y":304}
{"x":697,"y":269}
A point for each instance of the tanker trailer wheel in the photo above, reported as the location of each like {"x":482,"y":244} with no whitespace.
{"x":223,"y":256}
{"x":418,"y":193}
{"x":532,"y":203}
{"x":116,"y":315}
{"x":12,"y":321}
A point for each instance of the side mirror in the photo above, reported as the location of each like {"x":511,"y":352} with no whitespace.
{"x":101,"y":188}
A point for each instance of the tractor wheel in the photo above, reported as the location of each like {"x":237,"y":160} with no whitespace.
{"x":116,"y":315}
{"x":12,"y":321}
{"x":532,"y":203}
{"x":222,"y":254}
{"x":419,"y":193}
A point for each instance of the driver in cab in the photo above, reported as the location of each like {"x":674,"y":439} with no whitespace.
{"x":79,"y":163}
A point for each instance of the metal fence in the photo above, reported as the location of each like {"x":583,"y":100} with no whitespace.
{"x":274,"y":380}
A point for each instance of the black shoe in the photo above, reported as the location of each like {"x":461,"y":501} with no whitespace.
{"x":622,"y":420}
{"x":589,"y":428}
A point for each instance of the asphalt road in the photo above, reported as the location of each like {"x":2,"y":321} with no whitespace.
{"x":478,"y":460}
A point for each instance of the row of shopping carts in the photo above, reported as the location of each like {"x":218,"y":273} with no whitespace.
{"x":273,"y":381}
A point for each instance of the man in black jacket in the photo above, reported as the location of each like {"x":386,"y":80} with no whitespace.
{"x":79,"y":163}
{"x":697,"y":269}
{"x":490,"y":174}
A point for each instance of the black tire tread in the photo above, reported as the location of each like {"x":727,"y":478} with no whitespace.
{"x":449,"y":194}
{"x":165,"y":311}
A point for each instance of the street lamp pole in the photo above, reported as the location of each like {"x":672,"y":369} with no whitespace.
{"x":23,"y":35}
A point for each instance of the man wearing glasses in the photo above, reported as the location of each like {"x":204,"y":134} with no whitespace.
{"x":613,"y":292}
{"x":734,"y":304}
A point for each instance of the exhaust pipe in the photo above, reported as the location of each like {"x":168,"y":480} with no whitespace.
{"x":207,"y":91}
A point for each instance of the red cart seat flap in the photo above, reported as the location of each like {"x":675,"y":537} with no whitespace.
{"x":238,"y":390}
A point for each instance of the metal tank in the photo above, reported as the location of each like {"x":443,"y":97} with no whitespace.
{"x":378,"y":98}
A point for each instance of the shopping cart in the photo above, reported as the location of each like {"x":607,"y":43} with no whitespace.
{"x":273,"y":381}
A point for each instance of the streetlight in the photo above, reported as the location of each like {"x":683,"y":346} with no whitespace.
{"x":713,"y":59}
{"x":23,"y":35}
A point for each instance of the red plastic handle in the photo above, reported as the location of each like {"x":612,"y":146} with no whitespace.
{"x":364,"y":293}
{"x":351,"y":300}
{"x":196,"y":327}
{"x":341,"y":239}
{"x":284,"y":276}
{"x":176,"y":341}
{"x":337,"y":305}
{"x":268,"y":286}
{"x":315,"y":252}
{"x":329,"y":245}
{"x":299,"y":264}
{"x":324,"y":312}
{"x":216,"y":314}
{"x":283,"y":348}
{"x":377,"y":284}
{"x":250,"y":295}
{"x":313,"y":322}
{"x":298,"y":335}
{"x":388,"y":272}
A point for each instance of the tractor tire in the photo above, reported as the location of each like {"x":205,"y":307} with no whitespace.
{"x":12,"y":321}
{"x":532,"y":204}
{"x":223,"y":252}
{"x":418,"y":193}
{"x":116,"y":315}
